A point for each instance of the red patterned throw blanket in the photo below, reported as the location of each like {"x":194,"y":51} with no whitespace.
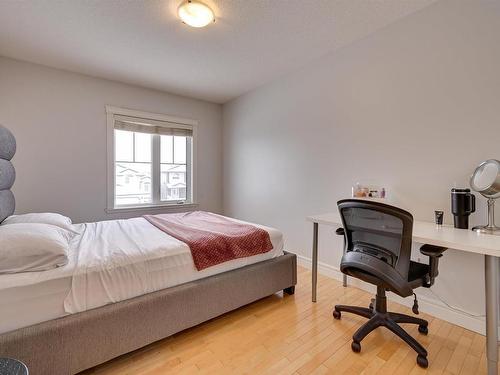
{"x":213,"y":239}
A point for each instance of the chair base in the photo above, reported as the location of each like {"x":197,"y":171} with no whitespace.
{"x":379,"y":317}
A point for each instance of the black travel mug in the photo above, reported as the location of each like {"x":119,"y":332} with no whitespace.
{"x":463,"y":203}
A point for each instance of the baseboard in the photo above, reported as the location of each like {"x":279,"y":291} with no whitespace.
{"x":429,"y":306}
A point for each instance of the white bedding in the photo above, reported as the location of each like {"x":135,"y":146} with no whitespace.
{"x":25,"y":305}
{"x":109,"y":261}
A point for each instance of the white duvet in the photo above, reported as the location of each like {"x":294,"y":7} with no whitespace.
{"x":122,"y":259}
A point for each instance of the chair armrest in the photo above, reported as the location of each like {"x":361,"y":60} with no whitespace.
{"x":434,"y":253}
{"x":340,"y":231}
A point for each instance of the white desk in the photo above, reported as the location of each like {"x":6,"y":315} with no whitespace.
{"x":447,"y":236}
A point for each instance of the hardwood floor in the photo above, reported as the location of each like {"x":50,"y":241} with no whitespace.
{"x":291,"y":335}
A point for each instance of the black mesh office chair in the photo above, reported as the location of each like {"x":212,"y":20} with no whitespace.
{"x":378,"y":240}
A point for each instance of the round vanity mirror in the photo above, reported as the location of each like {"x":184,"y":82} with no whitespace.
{"x":486,"y":181}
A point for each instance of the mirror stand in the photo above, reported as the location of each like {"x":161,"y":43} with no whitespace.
{"x":489,"y":228}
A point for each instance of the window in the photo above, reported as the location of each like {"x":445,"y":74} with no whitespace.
{"x":150,"y":159}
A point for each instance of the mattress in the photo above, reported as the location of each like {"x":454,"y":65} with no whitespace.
{"x":109,"y":261}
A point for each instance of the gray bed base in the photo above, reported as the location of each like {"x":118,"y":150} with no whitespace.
{"x":80,"y":341}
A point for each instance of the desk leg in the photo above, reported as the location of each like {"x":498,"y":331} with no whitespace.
{"x":315,"y":262}
{"x":491,"y":287}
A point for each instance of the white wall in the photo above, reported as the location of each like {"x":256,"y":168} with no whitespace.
{"x":414,"y":107}
{"x":59,"y":121}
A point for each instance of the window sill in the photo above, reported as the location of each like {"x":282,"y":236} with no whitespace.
{"x":160,"y":207}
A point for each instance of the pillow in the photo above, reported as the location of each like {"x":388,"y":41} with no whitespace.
{"x":32,"y":247}
{"x":41,"y":218}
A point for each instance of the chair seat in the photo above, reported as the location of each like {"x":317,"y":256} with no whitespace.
{"x":418,"y":271}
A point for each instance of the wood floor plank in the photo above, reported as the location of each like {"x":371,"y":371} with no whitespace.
{"x":290,"y":335}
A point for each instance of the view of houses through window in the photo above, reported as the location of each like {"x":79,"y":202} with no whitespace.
{"x":134,"y":168}
{"x":173,"y":167}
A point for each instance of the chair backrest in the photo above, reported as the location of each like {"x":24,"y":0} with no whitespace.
{"x":379,"y":238}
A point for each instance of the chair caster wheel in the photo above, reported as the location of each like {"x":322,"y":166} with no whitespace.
{"x":372,"y":303}
{"x":423,"y":329}
{"x":336,"y":314}
{"x":356,"y":347}
{"x":422,"y":361}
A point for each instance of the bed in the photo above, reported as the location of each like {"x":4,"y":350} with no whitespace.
{"x":76,"y":327}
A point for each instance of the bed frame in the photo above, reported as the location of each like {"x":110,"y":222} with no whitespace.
{"x":80,"y":341}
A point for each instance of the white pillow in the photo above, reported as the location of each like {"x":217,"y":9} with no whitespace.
{"x":41,"y":218}
{"x":32,"y":247}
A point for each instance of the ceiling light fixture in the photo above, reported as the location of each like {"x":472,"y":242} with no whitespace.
{"x":195,"y":14}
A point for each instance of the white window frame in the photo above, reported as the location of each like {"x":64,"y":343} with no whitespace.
{"x":111,"y":111}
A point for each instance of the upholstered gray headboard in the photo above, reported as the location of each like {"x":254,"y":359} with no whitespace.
{"x":7,"y":173}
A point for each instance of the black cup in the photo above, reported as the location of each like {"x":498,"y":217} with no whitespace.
{"x":438,"y":215}
{"x":463,"y":203}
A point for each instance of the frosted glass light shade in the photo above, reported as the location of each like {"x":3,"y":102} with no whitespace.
{"x":195,"y":14}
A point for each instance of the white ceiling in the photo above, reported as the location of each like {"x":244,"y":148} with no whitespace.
{"x":143,"y":42}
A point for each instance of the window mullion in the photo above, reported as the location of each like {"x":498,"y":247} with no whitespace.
{"x":189,"y":170}
{"x":156,"y":175}
{"x":133,"y":147}
{"x":173,"y":149}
